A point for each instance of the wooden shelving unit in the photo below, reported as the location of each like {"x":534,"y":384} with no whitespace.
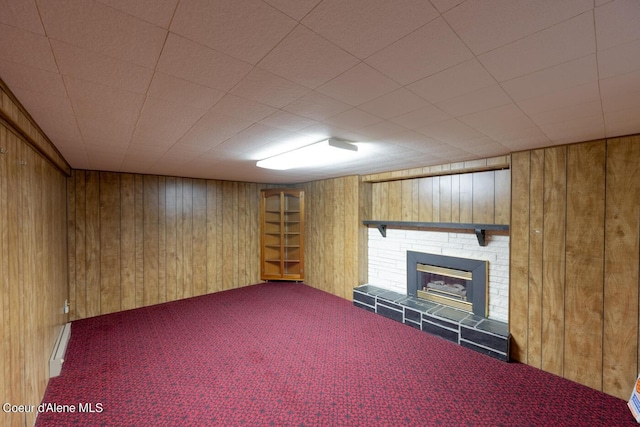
{"x":282,"y":234}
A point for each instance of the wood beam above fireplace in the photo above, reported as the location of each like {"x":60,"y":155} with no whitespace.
{"x":480,"y":229}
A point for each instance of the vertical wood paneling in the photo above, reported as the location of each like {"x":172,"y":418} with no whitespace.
{"x":110,"y":286}
{"x":150,"y":237}
{"x":127,"y":242}
{"x":590,"y":252}
{"x":199,"y":237}
{"x":555,"y":193}
{"x":620,"y":346}
{"x":519,"y":256}
{"x":162,"y":238}
{"x":536,"y":230}
{"x":92,"y":242}
{"x":33,"y":269}
{"x":446,"y":198}
{"x":483,"y":197}
{"x":584,"y":263}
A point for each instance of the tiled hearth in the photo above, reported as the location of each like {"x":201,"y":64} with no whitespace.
{"x":484,"y":335}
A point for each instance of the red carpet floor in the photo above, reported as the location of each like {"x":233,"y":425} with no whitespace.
{"x":285,"y":354}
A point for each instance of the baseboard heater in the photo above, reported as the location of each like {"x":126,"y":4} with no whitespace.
{"x":60,"y":347}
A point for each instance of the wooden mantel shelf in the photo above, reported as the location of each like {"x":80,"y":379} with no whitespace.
{"x":480,"y":229}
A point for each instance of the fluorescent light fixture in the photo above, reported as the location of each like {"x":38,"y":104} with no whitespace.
{"x":321,"y":153}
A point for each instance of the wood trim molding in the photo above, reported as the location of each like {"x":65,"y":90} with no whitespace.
{"x":480,"y":165}
{"x":17,"y":118}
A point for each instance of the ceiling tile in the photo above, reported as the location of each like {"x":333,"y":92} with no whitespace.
{"x":196,"y":63}
{"x":26,"y":48}
{"x":241,"y":108}
{"x":157,"y":12}
{"x":381,"y":130}
{"x":183,"y":92}
{"x":621,"y":59}
{"x":266,"y":88}
{"x":212,"y":129}
{"x":453,"y":82}
{"x":566,"y":41}
{"x":165,"y":121}
{"x":421,"y":117}
{"x":393,"y":104}
{"x":353,"y":119}
{"x":55,"y":115}
{"x":472,"y":102}
{"x":306,"y":58}
{"x":34,"y":79}
{"x":450,"y":131}
{"x":103,"y":29}
{"x":358,"y":85}
{"x":444,"y":5}
{"x":575,"y":95}
{"x":560,"y":77}
{"x":617,"y":23}
{"x":622,"y":122}
{"x":499,"y":122}
{"x":426,"y":51}
{"x":93,"y":99}
{"x":620,"y":92}
{"x":569,"y":113}
{"x":287,"y":121}
{"x":362,"y":27}
{"x":22,"y":14}
{"x":579,"y":129}
{"x":244,"y":29}
{"x":487,"y":24}
{"x":90,"y":66}
{"x":251,"y":139}
{"x":296,"y":9}
{"x":316,"y":106}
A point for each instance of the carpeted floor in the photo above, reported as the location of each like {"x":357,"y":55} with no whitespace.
{"x":285,"y":354}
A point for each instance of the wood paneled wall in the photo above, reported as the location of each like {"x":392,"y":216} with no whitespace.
{"x":336,"y":240}
{"x":33,"y":266}
{"x":575,"y":255}
{"x":476,"y":197}
{"x":139,"y":240}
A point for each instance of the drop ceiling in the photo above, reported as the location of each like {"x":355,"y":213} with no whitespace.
{"x":204,"y":89}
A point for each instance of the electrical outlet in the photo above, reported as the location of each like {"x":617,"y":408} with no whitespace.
{"x":66,"y":306}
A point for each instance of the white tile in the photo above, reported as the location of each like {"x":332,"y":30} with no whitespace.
{"x":617,"y":23}
{"x":242,"y":108}
{"x":576,"y":130}
{"x":487,"y":24}
{"x":450,"y":131}
{"x":98,"y":68}
{"x":244,"y":29}
{"x":453,"y":82}
{"x":190,"y":61}
{"x":353,"y":119}
{"x":296,"y":9}
{"x":564,"y":76}
{"x":362,"y":27}
{"x":266,"y":88}
{"x":26,"y":48}
{"x":34,"y":79}
{"x":381,"y":130}
{"x":358,"y":85}
{"x":287,"y":121}
{"x":22,"y":14}
{"x":426,"y":51}
{"x":620,"y":59}
{"x":421,"y":117}
{"x":566,"y":41}
{"x":316,"y":106}
{"x":104,"y":30}
{"x":499,"y":121}
{"x":472,"y":102}
{"x":180,"y":91}
{"x":620,"y":92}
{"x":575,"y":95}
{"x":306,"y":58}
{"x":157,"y":12}
{"x":622,"y":122}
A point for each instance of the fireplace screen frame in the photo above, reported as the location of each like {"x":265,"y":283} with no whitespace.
{"x":479,"y":282}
